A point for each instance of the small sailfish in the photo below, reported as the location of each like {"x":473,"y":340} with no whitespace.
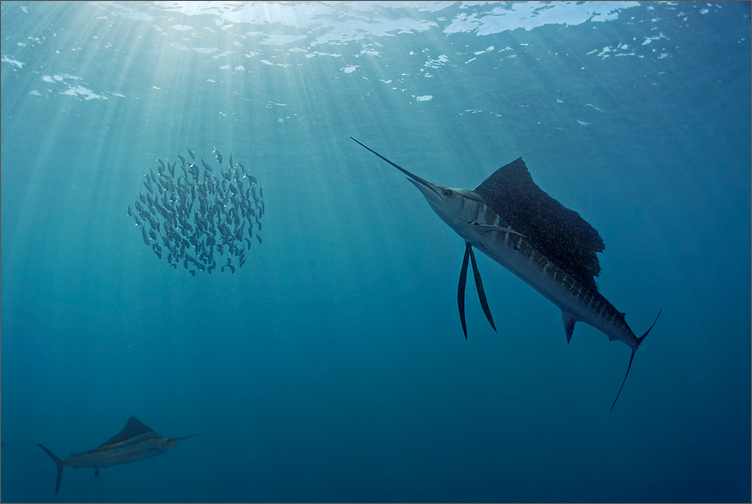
{"x":137,"y":441}
{"x":550,"y":247}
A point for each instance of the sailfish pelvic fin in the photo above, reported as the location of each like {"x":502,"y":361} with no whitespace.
{"x":461,"y":288}
{"x":469,"y":254}
{"x":479,"y":286}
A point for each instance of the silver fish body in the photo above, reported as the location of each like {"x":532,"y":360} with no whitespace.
{"x":469,"y":216}
{"x":550,"y":247}
{"x":135,"y":442}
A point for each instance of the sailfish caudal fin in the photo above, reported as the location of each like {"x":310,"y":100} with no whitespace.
{"x":60,"y":466}
{"x":631,"y":358}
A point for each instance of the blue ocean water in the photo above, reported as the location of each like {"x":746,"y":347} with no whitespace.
{"x":332,"y":365}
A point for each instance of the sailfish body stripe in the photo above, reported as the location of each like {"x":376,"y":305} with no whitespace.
{"x":138,"y":448}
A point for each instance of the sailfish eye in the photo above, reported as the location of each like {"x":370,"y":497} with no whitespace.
{"x":447,"y":193}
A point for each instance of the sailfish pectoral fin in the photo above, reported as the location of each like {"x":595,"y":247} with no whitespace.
{"x":479,"y":286}
{"x":488,"y":227}
{"x":461,"y":288}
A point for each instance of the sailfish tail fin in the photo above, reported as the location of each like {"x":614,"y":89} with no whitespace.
{"x":631,"y":358}
{"x":649,"y":328}
{"x":60,"y":466}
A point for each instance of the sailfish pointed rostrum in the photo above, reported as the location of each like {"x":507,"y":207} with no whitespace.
{"x":550,"y":247}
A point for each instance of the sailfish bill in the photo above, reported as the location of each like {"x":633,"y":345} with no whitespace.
{"x":137,"y":441}
{"x":550,"y":247}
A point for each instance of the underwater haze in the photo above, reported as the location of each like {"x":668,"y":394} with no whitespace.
{"x":332,"y":365}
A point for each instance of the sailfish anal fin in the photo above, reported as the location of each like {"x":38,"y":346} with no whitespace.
{"x":469,"y":254}
{"x":569,"y":322}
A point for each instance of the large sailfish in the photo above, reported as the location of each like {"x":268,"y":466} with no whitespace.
{"x":515,"y":223}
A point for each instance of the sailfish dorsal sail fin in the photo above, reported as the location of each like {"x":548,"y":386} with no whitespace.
{"x":554,"y":230}
{"x":133,"y":428}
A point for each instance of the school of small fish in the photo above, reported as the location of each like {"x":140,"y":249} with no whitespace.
{"x":197,"y":217}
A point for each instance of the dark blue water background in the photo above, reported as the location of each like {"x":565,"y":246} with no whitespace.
{"x":332,"y":366}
